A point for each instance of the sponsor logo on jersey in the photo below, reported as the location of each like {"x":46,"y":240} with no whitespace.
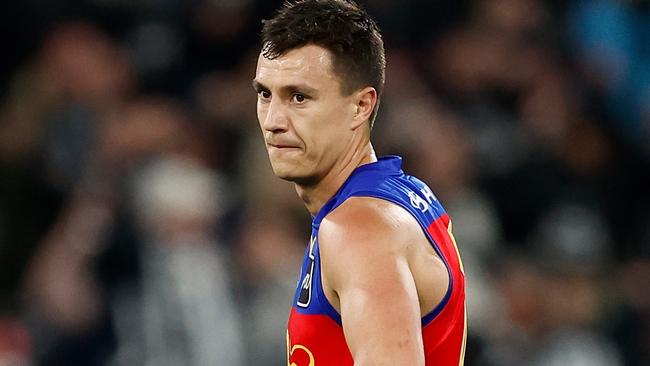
{"x":422,"y":202}
{"x":304,"y":298}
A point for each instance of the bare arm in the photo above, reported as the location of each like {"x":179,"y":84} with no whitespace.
{"x":366,"y":275}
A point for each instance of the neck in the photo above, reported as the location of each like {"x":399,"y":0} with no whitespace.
{"x":315,"y":196}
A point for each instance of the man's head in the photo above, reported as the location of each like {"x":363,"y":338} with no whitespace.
{"x":339,"y":26}
{"x":319,"y":78}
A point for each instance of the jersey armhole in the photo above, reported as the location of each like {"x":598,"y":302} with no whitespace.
{"x":427,"y":318}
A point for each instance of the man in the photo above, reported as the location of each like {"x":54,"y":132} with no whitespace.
{"x":381,"y":281}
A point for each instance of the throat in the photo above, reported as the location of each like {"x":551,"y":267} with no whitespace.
{"x":316,"y":195}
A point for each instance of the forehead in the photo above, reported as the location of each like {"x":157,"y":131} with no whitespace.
{"x":309,"y":64}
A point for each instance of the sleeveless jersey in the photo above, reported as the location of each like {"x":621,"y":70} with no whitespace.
{"x":315,"y":334}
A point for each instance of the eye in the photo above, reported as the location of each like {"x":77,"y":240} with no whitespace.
{"x":264,"y":94}
{"x":299,"y":98}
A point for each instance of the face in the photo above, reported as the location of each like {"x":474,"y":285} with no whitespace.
{"x":304,"y":116}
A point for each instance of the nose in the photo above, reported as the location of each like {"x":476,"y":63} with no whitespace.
{"x":276,"y":119}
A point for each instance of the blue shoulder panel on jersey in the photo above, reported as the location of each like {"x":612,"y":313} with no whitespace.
{"x":385,"y":179}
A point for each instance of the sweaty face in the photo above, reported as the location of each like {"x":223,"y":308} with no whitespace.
{"x":303,"y":114}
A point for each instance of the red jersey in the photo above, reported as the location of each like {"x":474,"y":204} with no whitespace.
{"x":315,"y":333}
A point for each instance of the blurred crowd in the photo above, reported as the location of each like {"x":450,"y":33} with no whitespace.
{"x":140,"y":223}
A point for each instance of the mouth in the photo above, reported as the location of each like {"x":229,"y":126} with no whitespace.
{"x":281,"y":146}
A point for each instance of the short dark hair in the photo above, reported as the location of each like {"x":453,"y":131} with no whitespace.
{"x":340,"y":26}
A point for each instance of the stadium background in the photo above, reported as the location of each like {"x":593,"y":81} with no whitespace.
{"x":140,"y":223}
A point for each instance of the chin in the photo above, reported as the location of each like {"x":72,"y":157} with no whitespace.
{"x":286,"y":174}
{"x":292,"y":174}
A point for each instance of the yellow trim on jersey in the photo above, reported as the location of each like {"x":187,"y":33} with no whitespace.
{"x":453,"y":240}
{"x":461,"y":361}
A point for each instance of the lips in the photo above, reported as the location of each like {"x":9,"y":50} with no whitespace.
{"x":282,"y":145}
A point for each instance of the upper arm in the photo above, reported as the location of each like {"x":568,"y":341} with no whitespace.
{"x":363,"y":247}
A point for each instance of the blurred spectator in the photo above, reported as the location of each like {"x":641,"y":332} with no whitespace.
{"x":552,"y":319}
{"x":611,"y":39}
{"x":64,"y":299}
{"x":182,"y":312}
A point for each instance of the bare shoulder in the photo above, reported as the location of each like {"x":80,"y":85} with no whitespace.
{"x":364,"y":235}
{"x":374,"y":244}
{"x":365,"y":221}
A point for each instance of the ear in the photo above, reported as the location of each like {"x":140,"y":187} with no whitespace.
{"x":365,"y":102}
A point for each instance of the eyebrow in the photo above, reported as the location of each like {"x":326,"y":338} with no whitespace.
{"x":258,"y":86}
{"x":287,"y":89}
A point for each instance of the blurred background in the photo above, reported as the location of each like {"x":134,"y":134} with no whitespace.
{"x":140,"y":223}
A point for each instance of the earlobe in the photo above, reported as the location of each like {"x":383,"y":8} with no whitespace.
{"x":365,"y":104}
